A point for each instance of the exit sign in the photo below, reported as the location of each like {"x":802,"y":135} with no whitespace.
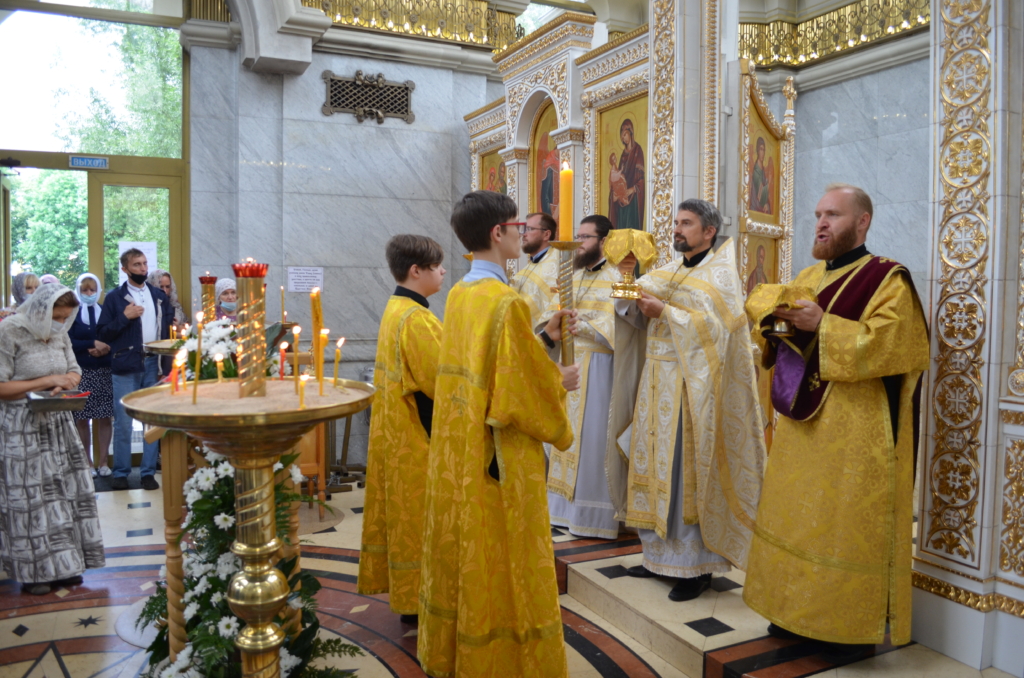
{"x":89,"y":162}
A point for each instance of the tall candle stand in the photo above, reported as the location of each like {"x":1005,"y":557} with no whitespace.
{"x":209,"y":287}
{"x":566,"y":253}
{"x":252,"y":340}
{"x":251,"y":426}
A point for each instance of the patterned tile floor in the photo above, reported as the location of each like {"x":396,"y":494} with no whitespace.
{"x":70,"y":633}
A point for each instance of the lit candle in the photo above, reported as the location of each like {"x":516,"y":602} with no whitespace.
{"x":295,"y":355}
{"x":174,"y":378}
{"x":219,"y":357}
{"x":284,"y":313}
{"x":337,"y":360}
{"x":302,"y":391}
{"x":180,"y":361}
{"x":173,"y":332}
{"x":321,"y":347}
{"x":565,"y":203}
{"x":284,"y":347}
{"x":199,"y":355}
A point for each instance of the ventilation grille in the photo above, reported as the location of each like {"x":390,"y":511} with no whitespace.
{"x":368,"y":97}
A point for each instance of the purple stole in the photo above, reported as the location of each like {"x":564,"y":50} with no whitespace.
{"x":798,"y":390}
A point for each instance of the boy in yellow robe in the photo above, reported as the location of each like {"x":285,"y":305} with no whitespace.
{"x":396,"y":468}
{"x":489,"y":597}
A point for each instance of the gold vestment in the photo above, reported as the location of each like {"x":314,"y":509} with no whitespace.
{"x":596,"y":320}
{"x":699,"y":364}
{"x":535,"y":283}
{"x":831,"y":553}
{"x":489,"y":595}
{"x":396,"y":462}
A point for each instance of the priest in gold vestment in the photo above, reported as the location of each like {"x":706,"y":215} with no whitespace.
{"x":489,"y":595}
{"x":696,"y":448}
{"x":831,"y":553}
{"x":396,"y":469}
{"x":587,"y":482}
{"x":537,"y":280}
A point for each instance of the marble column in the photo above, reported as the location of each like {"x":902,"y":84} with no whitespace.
{"x":969,"y":568}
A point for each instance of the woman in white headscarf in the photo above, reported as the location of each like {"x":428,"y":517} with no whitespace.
{"x":49,"y":527}
{"x":93,"y":357}
{"x":227,"y":299}
{"x":163,"y":280}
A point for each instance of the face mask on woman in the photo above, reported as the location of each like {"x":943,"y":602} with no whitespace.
{"x":228,"y":306}
{"x":89,"y":299}
{"x":56,"y":327}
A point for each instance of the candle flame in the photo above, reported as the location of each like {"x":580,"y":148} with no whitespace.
{"x":315,"y":290}
{"x":341,"y":342}
{"x":304,"y":378}
{"x":199,"y":316}
{"x":282,"y":288}
{"x":284,"y":345}
{"x":218,"y":357}
{"x":565,"y":165}
{"x":325,"y":332}
{"x":296,"y":330}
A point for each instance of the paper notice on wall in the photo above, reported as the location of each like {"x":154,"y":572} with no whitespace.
{"x":305,"y":278}
{"x":148,"y":248}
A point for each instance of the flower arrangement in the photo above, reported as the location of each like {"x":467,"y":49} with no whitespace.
{"x":220,"y":337}
{"x":209,"y":565}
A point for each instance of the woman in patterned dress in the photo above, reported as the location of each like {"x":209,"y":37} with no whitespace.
{"x":93,"y":356}
{"x":49,"y":527}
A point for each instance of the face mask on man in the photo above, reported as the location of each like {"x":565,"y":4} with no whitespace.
{"x":90,"y":299}
{"x":138,"y":278}
{"x":228,"y":306}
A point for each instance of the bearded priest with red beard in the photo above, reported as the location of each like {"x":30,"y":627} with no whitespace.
{"x":830,"y":558}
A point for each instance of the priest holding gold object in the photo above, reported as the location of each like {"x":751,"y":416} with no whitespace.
{"x":831,"y":553}
{"x":696,"y":449}
{"x":587,"y":482}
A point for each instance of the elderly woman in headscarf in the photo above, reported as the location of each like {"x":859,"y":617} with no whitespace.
{"x":22,"y":287}
{"x":49,"y":279}
{"x":49,"y":527}
{"x":93,"y":357}
{"x":163,"y":280}
{"x":227,"y":298}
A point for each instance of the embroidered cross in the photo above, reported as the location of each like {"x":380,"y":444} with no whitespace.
{"x":814,"y":382}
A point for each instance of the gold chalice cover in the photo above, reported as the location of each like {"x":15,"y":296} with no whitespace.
{"x":765,"y":298}
{"x":618,"y":245}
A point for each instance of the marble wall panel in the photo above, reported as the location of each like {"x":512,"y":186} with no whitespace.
{"x":213,"y":81}
{"x":214,"y":154}
{"x":377,"y":161}
{"x":838,"y":114}
{"x":260,"y":95}
{"x":260,"y":157}
{"x":304,"y":95}
{"x":903,"y":170}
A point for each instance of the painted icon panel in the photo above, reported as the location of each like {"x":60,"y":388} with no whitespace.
{"x":544,"y":163}
{"x":622,"y":164}
{"x":763,"y":158}
{"x":492,"y":173}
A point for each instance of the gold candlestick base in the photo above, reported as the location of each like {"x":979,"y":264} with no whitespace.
{"x":252,"y":433}
{"x":566,"y":252}
{"x":627,"y":289}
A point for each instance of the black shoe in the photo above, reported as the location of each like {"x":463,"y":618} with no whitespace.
{"x":688,"y":589}
{"x":410,"y":619}
{"x":119,"y":483}
{"x":70,"y":581}
{"x":776,"y":631}
{"x":40,"y":589}
{"x":842,"y":653}
{"x":640,"y":571}
{"x":150,"y":483}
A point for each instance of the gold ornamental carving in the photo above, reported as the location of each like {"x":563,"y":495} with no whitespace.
{"x":1012,"y":417}
{"x":551,"y":78}
{"x":709,"y":149}
{"x":488,"y":143}
{"x":1011,"y":538}
{"x":511,"y":179}
{"x":663,"y":125}
{"x":576,"y":135}
{"x":849,"y":28}
{"x":953,"y":477}
{"x":589,"y":139}
{"x":516,"y":154}
{"x":1015,"y":383}
{"x":614,"y":43}
{"x":627,"y":58}
{"x":495,"y":119}
{"x":625,"y":86}
{"x":976,"y":601}
{"x":474,"y":170}
{"x":564,"y":25}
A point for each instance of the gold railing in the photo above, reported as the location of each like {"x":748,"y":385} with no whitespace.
{"x":210,"y":10}
{"x":854,"y":26}
{"x":471,"y":22}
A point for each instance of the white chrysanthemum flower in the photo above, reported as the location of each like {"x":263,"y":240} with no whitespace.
{"x":278,"y":466}
{"x":227,"y":627}
{"x":227,"y":565}
{"x":225,"y":470}
{"x":192,"y":497}
{"x":202,"y":587}
{"x":288,"y":662}
{"x":185,"y":656}
{"x":163,"y":572}
{"x":295,"y":603}
{"x":191,"y":610}
{"x":189,"y":485}
{"x":216,"y":598}
{"x":212,"y":457}
{"x":223,"y":521}
{"x":296,"y":474}
{"x":205,"y":479}
{"x":191,"y":344}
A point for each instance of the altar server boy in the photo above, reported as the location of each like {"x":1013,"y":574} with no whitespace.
{"x":396,"y":466}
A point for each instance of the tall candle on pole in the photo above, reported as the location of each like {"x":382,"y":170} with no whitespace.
{"x":565,"y":218}
{"x":566,"y":248}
